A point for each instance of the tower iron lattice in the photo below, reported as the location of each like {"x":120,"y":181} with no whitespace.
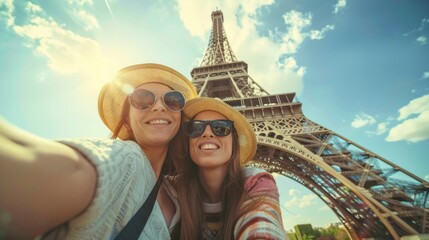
{"x":371,"y":196}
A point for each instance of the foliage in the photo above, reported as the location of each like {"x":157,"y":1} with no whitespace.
{"x":333,"y":233}
{"x":303,"y":232}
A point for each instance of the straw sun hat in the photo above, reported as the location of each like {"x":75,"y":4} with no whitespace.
{"x":114,"y":93}
{"x":246,"y":135}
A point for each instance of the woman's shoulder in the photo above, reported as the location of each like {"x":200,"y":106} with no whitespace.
{"x":99,"y":150}
{"x":97,"y":143}
{"x":114,"y":159}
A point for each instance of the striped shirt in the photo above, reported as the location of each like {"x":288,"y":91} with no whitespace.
{"x":262,"y":222}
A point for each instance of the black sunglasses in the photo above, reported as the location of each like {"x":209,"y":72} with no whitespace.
{"x":143,"y":99}
{"x":220,"y":128}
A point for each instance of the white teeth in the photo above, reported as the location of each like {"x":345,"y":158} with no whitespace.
{"x":158,"y":121}
{"x":208,"y":146}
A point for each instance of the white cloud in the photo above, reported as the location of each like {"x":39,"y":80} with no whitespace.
{"x":276,"y":175}
{"x":292,"y":202}
{"x":317,"y":35}
{"x":412,"y":130}
{"x":339,"y":5}
{"x":6,"y":12}
{"x":33,"y":8}
{"x":423,"y":24}
{"x":381,"y":128}
{"x":66,"y":52}
{"x":86,"y":18}
{"x":296,"y":22}
{"x":415,"y":106}
{"x":362,"y":120}
{"x":420,"y":29}
{"x":193,"y":14}
{"x":293,"y":192}
{"x":290,"y":63}
{"x":426,"y":74}
{"x":305,"y":201}
{"x":415,"y":129}
{"x":81,"y":2}
{"x":422,"y":40}
{"x":271,"y":56}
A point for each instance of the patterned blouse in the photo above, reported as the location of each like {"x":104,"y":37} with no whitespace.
{"x":125,"y":179}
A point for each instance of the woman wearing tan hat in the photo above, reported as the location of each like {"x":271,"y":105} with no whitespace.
{"x":218,"y":198}
{"x":91,"y":188}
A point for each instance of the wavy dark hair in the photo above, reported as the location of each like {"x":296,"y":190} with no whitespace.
{"x":190,"y":192}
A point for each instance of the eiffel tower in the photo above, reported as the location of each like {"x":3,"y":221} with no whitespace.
{"x":357,"y":184}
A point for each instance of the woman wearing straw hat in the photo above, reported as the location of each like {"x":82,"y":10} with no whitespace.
{"x":91,"y":188}
{"x":218,"y":198}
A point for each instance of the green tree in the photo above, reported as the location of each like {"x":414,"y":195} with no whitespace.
{"x":341,"y":235}
{"x":304,"y":232}
{"x":333,"y":232}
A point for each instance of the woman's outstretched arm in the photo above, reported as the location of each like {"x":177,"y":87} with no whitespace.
{"x":264,"y":221}
{"x":42,"y":183}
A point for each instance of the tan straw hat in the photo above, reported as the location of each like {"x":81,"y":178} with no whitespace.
{"x":114,"y":93}
{"x":246,"y":135}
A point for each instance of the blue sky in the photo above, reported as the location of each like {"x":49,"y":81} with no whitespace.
{"x":360,"y":68}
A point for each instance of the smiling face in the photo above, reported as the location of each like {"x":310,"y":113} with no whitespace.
{"x":209,"y":150}
{"x":157,"y":125}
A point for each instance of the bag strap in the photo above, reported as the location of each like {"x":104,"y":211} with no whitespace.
{"x":135,"y":226}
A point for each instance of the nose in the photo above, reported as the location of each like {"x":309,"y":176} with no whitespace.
{"x":158,"y":105}
{"x":208,"y":132}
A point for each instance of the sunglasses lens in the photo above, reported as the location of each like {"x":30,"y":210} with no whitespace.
{"x":174,"y":100}
{"x":142,"y":99}
{"x":195,"y":128}
{"x":220,"y":128}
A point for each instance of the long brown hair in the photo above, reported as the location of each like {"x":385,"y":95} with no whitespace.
{"x":190,"y":194}
{"x":176,"y":150}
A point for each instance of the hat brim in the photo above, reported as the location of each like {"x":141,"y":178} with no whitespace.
{"x":114,"y":93}
{"x":246,"y":135}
